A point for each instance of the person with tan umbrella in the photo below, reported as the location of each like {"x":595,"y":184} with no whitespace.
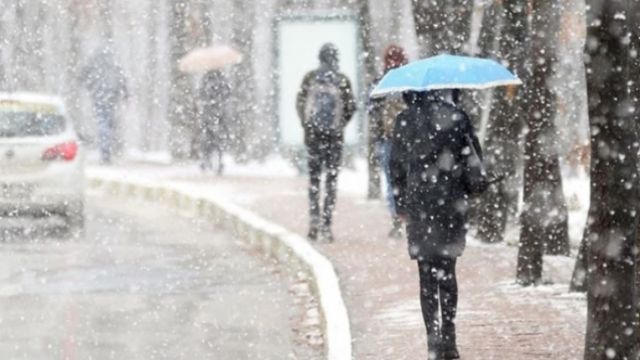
{"x":212,"y":101}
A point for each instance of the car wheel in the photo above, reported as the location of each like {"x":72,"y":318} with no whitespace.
{"x":75,"y":221}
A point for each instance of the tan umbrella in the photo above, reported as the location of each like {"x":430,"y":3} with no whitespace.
{"x":209,"y":58}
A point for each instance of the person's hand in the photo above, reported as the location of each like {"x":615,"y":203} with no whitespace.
{"x":495,"y":178}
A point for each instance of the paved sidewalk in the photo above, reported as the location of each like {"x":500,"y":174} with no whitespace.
{"x":497,"y":319}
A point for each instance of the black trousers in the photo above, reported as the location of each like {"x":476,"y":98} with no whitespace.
{"x":324,"y":156}
{"x":211,"y":139}
{"x":439,"y":299}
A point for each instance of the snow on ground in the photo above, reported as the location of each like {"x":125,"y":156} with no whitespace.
{"x":403,"y":312}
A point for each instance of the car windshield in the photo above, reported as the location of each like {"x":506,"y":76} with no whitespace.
{"x":26,"y":124}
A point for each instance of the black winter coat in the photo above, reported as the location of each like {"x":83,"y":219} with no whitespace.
{"x":311,"y":136}
{"x":104,"y":79}
{"x":427,"y":156}
{"x":214,"y":95}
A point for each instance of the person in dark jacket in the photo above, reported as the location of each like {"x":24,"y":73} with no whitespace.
{"x":382,"y":116}
{"x":106,"y":83}
{"x":428,"y":154}
{"x":325,"y":105}
{"x":214,"y":93}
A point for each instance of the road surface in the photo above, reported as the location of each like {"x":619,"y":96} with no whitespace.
{"x":144,"y":283}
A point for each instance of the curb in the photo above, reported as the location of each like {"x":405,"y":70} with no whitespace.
{"x":271,"y":239}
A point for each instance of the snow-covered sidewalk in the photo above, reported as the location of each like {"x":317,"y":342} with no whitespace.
{"x":497,"y":319}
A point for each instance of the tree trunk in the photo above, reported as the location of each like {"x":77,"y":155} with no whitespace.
{"x":151,"y":75}
{"x":206,"y":13}
{"x":579,"y":276}
{"x":36,"y":45}
{"x":27,"y":72}
{"x":502,"y":153}
{"x":369,"y":55}
{"x":369,"y":60}
{"x":613,"y":227}
{"x":636,"y":324}
{"x":244,"y":137}
{"x":73,"y":68}
{"x":105,"y":9}
{"x":635,"y":70}
{"x":493,"y":19}
{"x":544,"y":217}
{"x":397,"y":20}
{"x":442,"y":26}
{"x":3,"y":60}
{"x":181,"y":111}
{"x":459,"y":17}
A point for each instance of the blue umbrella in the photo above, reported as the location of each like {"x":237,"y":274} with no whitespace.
{"x":445,"y":72}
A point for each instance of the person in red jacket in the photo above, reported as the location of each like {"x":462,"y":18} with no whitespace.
{"x":382,"y":117}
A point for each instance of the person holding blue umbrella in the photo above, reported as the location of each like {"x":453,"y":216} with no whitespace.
{"x":436,"y":167}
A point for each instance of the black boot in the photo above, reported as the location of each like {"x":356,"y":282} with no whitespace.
{"x":434,"y":350}
{"x":326,"y":234}
{"x":449,"y":349}
{"x":325,"y":228}
{"x":434,"y":341}
{"x":313,"y":233}
{"x":450,"y":354}
{"x":314,"y":228}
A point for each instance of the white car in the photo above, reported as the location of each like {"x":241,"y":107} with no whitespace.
{"x":41,"y":159}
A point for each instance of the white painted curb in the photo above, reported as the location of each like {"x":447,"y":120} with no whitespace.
{"x":272,"y":239}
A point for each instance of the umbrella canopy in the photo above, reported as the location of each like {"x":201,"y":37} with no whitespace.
{"x":446,"y":72}
{"x":209,"y":58}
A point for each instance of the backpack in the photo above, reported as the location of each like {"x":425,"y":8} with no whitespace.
{"x":324,"y":108}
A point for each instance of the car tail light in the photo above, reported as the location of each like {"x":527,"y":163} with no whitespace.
{"x":66,"y":151}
